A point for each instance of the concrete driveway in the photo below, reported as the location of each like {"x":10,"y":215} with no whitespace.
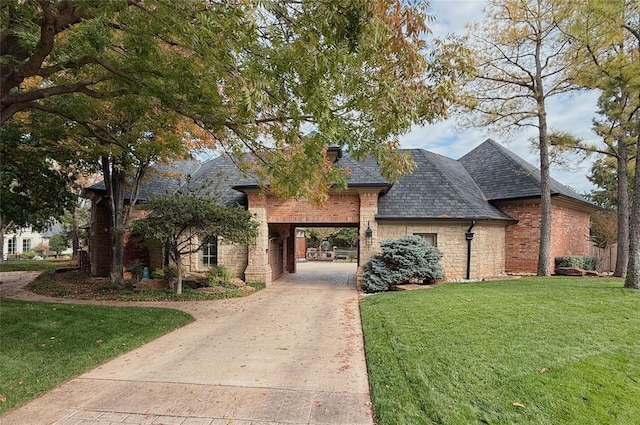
{"x":289,"y":354}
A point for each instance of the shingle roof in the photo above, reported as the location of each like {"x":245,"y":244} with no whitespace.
{"x":438,"y":188}
{"x":503,"y":175}
{"x":162,"y":178}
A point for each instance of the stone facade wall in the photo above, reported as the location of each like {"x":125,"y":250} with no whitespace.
{"x":258,"y":269}
{"x":231,"y":255}
{"x":569,"y":234}
{"x":487,"y":247}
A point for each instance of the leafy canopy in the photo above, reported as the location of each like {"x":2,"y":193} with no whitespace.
{"x":279,"y":80}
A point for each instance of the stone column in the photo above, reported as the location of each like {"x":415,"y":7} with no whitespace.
{"x":368,"y":211}
{"x":258,"y":269}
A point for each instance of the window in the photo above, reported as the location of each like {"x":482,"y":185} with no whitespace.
{"x":430,"y":238}
{"x":210,"y":252}
{"x":11,"y":246}
{"x":26,"y":245}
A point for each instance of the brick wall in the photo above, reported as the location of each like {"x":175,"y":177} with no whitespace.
{"x":522,"y":239}
{"x":487,"y":247}
{"x":570,"y":230}
{"x":340,"y":208}
{"x":569,"y":233}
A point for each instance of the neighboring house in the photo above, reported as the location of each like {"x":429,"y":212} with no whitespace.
{"x":482,"y":212}
{"x":27,"y":240}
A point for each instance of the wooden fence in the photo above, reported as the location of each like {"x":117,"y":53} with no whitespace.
{"x":606,"y":257}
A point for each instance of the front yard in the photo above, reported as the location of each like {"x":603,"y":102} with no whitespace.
{"x":528,"y":351}
{"x":43,"y":345}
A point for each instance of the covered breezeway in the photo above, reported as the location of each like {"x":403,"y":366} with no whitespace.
{"x":273,"y":256}
{"x":283,"y":247}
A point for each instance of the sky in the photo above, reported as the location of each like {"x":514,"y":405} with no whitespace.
{"x":573,"y":114}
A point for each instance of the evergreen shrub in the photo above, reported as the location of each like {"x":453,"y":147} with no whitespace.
{"x":401,"y":261}
{"x":218,"y":275}
{"x":580,"y":262}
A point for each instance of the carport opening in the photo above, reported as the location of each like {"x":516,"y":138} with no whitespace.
{"x":292,"y":246}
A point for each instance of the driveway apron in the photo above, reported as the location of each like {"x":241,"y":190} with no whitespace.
{"x":289,"y":354}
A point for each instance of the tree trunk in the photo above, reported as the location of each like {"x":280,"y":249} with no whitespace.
{"x":633,"y":269}
{"x":114,"y":180}
{"x":1,"y":243}
{"x":544,"y":251}
{"x":178,"y":272}
{"x":622,"y":252}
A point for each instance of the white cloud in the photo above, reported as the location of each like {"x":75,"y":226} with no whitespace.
{"x":573,"y":114}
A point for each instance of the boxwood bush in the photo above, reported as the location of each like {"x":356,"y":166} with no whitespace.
{"x":401,"y":261}
{"x":580,"y":262}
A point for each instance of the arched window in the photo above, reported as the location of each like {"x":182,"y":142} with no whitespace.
{"x":209,"y":252}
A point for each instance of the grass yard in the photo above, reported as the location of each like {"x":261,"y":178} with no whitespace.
{"x":43,"y":345}
{"x":33,"y":265}
{"x":528,"y":351}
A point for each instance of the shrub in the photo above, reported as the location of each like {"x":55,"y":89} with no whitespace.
{"x":218,"y":275}
{"x":157,"y":274}
{"x":171,"y":273}
{"x":136,"y":268}
{"x":27,"y":255}
{"x":401,"y":261}
{"x":580,"y":262}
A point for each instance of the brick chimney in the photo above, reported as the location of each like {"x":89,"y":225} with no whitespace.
{"x":334,"y":153}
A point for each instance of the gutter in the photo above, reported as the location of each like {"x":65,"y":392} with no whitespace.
{"x":469,"y":237}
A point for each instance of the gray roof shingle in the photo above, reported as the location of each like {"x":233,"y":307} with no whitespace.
{"x":438,"y":188}
{"x":503,"y":175}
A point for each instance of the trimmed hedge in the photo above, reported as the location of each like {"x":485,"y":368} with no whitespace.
{"x":580,"y":262}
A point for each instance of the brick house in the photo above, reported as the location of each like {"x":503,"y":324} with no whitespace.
{"x":482,"y":212}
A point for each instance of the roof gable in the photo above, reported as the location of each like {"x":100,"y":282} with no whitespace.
{"x":503,"y":175}
{"x":438,"y":188}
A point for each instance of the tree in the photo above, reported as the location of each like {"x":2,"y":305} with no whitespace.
{"x":344,"y":237}
{"x":602,"y":56}
{"x":319,"y":235}
{"x":519,"y":61}
{"x":72,"y":220}
{"x":256,"y":75}
{"x":36,"y":184}
{"x":58,"y":243}
{"x":185,"y":220}
{"x":606,"y":55}
{"x":618,"y":142}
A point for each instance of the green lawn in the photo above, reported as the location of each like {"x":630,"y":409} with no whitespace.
{"x":42,"y":345}
{"x":33,"y":265}
{"x":527,"y":351}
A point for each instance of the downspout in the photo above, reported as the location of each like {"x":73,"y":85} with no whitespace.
{"x":469,"y":236}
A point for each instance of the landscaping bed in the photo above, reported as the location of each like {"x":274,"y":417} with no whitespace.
{"x":77,"y":284}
